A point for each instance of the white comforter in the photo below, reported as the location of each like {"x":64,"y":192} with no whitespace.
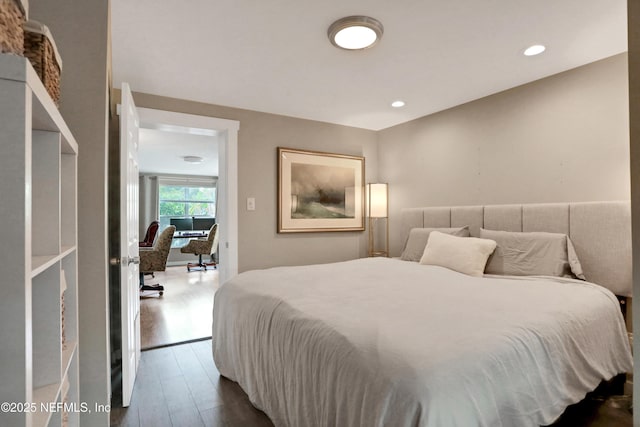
{"x":382,"y":342}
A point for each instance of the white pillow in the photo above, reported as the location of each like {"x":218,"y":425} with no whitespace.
{"x":466,"y":255}
{"x":418,"y":238}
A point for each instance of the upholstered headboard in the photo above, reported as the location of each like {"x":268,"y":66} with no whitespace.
{"x":600,"y":231}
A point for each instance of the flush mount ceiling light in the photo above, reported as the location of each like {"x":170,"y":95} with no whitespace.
{"x":193,"y":159}
{"x":355,"y":32}
{"x":397,"y":104}
{"x":536,"y":49}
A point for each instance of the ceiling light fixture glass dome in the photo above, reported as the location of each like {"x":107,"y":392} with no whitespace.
{"x":536,"y":49}
{"x":355,"y":32}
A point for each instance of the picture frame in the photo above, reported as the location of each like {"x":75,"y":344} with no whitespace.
{"x":319,"y":191}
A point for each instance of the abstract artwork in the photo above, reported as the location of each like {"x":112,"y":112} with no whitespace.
{"x":319,"y":191}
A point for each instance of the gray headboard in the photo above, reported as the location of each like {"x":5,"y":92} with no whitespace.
{"x":600,"y":231}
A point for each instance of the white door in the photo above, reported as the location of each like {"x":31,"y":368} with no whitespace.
{"x":129,"y":256}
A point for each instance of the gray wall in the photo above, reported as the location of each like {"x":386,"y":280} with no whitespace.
{"x":564,"y":138}
{"x":633,"y":14}
{"x":559,"y":139}
{"x":580,"y":138}
{"x":259,"y":244}
{"x":148,"y":199}
{"x":84,"y":105}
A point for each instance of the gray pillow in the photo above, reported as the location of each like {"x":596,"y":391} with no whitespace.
{"x":532,"y":254}
{"x":418,"y":237}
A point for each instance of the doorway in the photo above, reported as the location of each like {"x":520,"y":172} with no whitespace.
{"x":216,"y":141}
{"x":178,"y":174}
{"x":226,"y":215}
{"x":227,"y":187}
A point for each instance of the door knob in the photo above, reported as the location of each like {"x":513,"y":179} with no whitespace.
{"x":124,"y":260}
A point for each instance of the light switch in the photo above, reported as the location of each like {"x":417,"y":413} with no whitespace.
{"x":251,"y":203}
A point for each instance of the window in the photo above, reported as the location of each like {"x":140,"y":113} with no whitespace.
{"x":181,"y":201}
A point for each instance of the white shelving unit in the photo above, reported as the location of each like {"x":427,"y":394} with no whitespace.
{"x":38,"y":255}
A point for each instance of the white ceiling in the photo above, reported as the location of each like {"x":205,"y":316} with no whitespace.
{"x":274,"y":55}
{"x":162,"y":152}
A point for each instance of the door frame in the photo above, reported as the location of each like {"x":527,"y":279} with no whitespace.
{"x":227,"y":192}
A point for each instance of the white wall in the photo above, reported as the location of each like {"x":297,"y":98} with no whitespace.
{"x":564,"y":138}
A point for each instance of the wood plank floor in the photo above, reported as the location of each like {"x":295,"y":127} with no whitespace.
{"x":183,"y":313}
{"x":180,"y":386}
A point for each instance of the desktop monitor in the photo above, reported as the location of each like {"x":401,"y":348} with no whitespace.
{"x":203,"y":223}
{"x":182,"y":224}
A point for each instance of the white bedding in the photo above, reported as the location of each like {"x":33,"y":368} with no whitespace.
{"x":383,"y":342}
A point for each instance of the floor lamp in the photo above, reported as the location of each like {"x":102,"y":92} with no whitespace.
{"x":378,"y":208}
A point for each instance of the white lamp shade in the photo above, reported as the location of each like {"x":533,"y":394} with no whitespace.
{"x":377,"y":203}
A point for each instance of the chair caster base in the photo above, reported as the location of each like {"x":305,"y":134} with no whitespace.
{"x":153,"y":288}
{"x":200,"y":267}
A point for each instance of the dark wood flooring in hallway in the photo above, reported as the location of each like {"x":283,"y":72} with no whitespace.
{"x":179,"y":386}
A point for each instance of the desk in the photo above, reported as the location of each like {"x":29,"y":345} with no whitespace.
{"x":181,"y":238}
{"x":189,"y":234}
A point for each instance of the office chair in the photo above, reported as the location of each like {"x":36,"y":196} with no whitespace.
{"x":155,"y":258}
{"x":150,"y":237}
{"x":201,"y":247}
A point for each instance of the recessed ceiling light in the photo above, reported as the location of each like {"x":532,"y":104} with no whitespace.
{"x":193,"y":159}
{"x":397,"y":104}
{"x":355,"y":32}
{"x":536,"y":49}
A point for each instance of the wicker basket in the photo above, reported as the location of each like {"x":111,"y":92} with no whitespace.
{"x":63,"y":334}
{"x":41,"y":50}
{"x":12,"y":18}
{"x":63,"y":290}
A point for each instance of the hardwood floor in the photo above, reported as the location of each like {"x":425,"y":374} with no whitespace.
{"x":180,"y":386}
{"x":183,"y":313}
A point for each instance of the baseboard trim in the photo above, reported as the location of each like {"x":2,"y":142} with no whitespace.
{"x":176,"y":343}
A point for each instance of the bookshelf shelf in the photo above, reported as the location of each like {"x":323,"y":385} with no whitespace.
{"x":38,"y":171}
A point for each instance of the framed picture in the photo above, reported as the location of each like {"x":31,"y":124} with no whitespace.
{"x":319,"y":191}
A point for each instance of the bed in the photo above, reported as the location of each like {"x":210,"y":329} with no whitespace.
{"x":389,"y":342}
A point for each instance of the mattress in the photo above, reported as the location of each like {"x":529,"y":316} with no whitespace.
{"x":384,"y":342}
